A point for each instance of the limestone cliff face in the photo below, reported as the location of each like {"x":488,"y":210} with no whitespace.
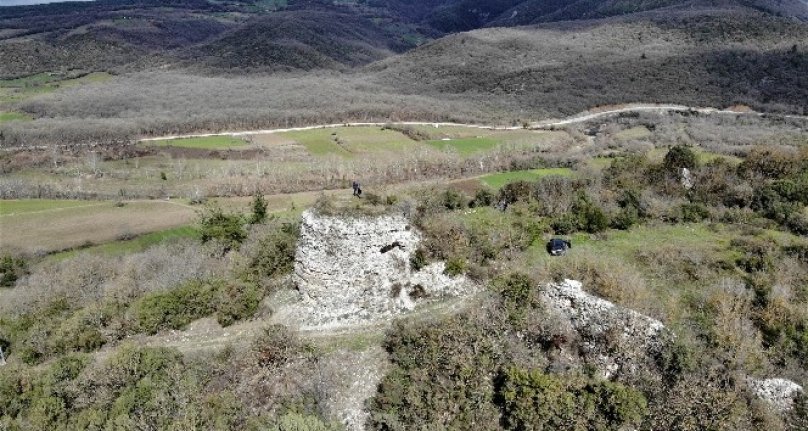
{"x":353,"y":270}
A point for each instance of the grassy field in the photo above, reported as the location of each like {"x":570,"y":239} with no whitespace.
{"x":465,"y":146}
{"x":204,"y":143}
{"x":49,"y":226}
{"x":14,"y":116}
{"x":632,"y":134}
{"x":35,"y":225}
{"x":15,"y":90}
{"x":24,"y":206}
{"x":134,"y":245}
{"x":626,"y":244}
{"x":498,"y":180}
{"x":348,"y":141}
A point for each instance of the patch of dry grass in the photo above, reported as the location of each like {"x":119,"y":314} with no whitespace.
{"x":72,"y":227}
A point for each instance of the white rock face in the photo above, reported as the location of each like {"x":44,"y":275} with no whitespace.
{"x":355,"y":270}
{"x":596,"y":319}
{"x":780,"y":393}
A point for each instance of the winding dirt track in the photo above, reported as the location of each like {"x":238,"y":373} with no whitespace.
{"x":538,"y":125}
{"x":546,"y":124}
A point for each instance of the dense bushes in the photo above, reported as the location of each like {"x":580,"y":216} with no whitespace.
{"x":506,"y":364}
{"x":175,"y":308}
{"x":84,"y":303}
{"x":150,"y":388}
{"x":226,"y":229}
{"x":533,"y":400}
{"x":229,"y":300}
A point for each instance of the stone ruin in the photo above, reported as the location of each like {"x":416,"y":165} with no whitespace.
{"x":353,"y":270}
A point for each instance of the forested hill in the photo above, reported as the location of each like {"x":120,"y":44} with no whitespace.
{"x":272,"y":35}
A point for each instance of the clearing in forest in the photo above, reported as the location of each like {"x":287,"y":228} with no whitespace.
{"x":499,"y":180}
{"x":204,"y":143}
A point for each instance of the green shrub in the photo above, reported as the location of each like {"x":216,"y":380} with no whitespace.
{"x":594,"y":219}
{"x":768,"y":162}
{"x":531,"y":399}
{"x":518,"y":293}
{"x":483,"y":198}
{"x":758,"y":254}
{"x":373,"y":199}
{"x":455,"y":266}
{"x":679,"y":157}
{"x":80,"y":333}
{"x":11,"y":269}
{"x":693,"y":213}
{"x":624,"y":219}
{"x":418,"y":260}
{"x":587,"y":216}
{"x":292,"y":421}
{"x":627,"y":173}
{"x":275,"y":253}
{"x":797,"y":223}
{"x":441,"y":378}
{"x":277,"y":345}
{"x":237,"y":301}
{"x":175,"y":308}
{"x":259,"y":209}
{"x":453,"y":200}
{"x":564,"y":225}
{"x":228,"y":229}
{"x":799,"y":251}
{"x":518,"y":191}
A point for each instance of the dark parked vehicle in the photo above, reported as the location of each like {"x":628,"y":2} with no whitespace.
{"x":558,"y":247}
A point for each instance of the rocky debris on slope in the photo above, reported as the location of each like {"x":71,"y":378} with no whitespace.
{"x":779,"y":393}
{"x":356,"y":269}
{"x":348,"y":379}
{"x":615,"y":339}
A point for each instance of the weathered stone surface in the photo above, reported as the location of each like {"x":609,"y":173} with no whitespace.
{"x":354,"y":270}
{"x":600,"y":322}
{"x":779,"y":393}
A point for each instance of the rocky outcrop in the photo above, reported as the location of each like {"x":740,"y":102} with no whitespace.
{"x":779,"y":393}
{"x":356,"y":269}
{"x":615,"y":339}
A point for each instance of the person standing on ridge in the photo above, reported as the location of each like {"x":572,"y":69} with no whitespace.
{"x":357,"y":190}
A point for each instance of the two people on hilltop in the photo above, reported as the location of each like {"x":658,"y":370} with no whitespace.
{"x":357,"y":189}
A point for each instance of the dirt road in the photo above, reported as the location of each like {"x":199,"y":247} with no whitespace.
{"x":579,"y":118}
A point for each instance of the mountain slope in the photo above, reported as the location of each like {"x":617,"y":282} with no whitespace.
{"x":238,"y":35}
{"x":697,"y":59}
{"x":301,"y":39}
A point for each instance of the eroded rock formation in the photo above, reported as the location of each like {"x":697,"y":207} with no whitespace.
{"x":616,"y":339}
